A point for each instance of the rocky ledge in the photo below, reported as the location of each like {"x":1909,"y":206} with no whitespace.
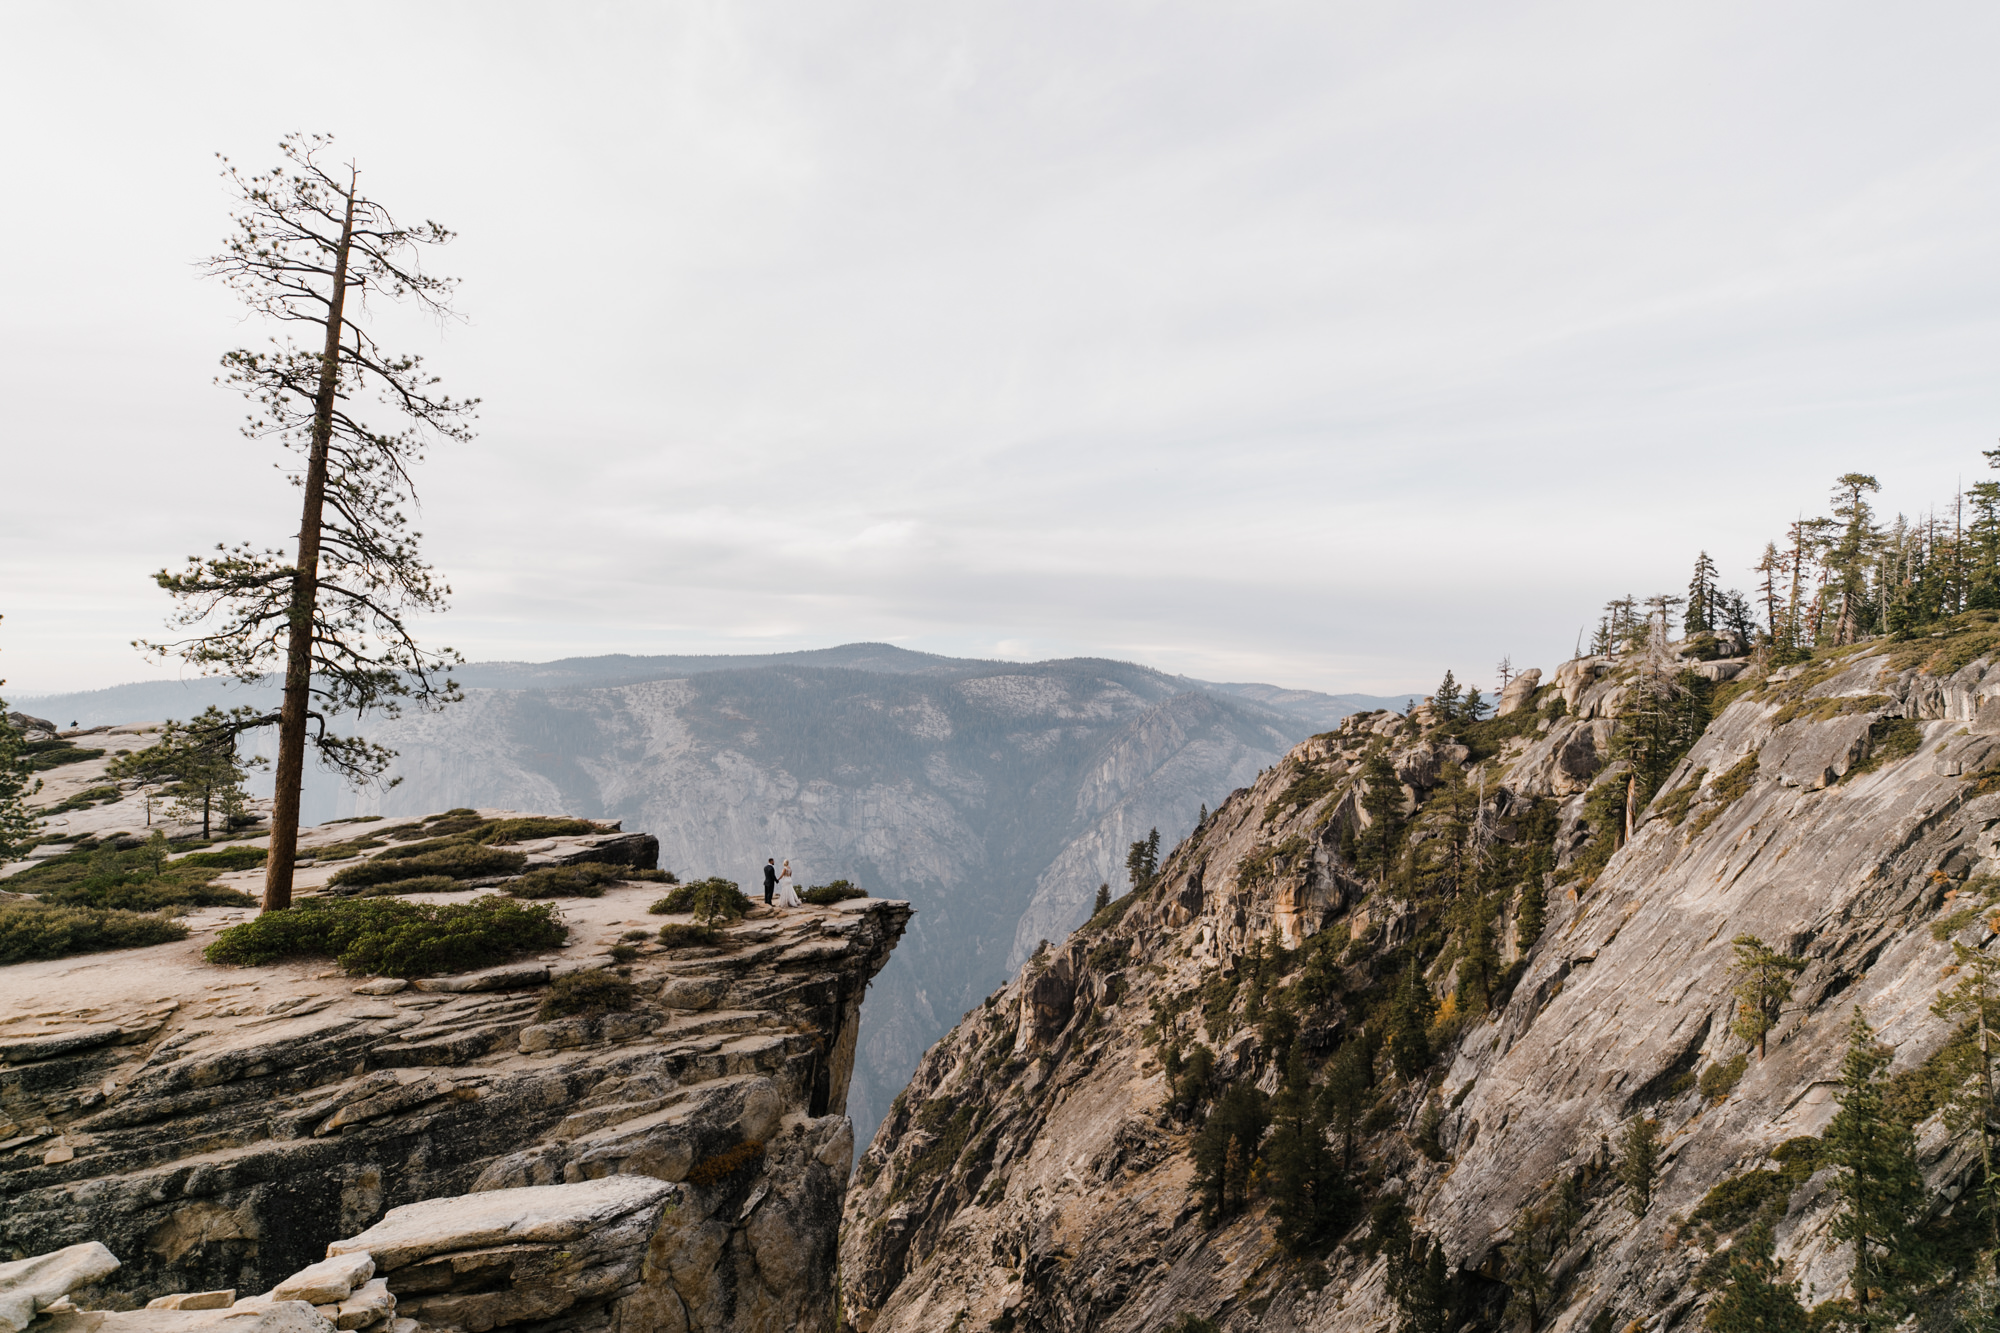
{"x":218,"y":1129}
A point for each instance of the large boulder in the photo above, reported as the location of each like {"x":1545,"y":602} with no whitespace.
{"x":29,"y":1286}
{"x":1519,"y":691}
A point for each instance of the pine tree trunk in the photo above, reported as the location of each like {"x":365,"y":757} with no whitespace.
{"x":292,"y":715}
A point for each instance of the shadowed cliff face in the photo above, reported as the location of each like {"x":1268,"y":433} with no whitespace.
{"x":1038,"y":1166}
{"x":995,"y":799}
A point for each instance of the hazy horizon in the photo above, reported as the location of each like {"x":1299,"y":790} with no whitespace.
{"x":1302,"y":344}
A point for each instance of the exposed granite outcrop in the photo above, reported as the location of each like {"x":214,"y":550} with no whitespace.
{"x":219,"y":1128}
{"x":1033,"y":1173}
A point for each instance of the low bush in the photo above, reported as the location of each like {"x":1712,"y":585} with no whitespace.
{"x":1718,"y":1081}
{"x":588,"y":993}
{"x":128,"y":875}
{"x":623,"y":953}
{"x":83,"y":800}
{"x":714,"y":1170}
{"x":147,"y":895}
{"x":1736,"y":1200}
{"x":229,"y":858}
{"x":395,"y":887}
{"x":460,"y":860}
{"x":390,"y":937}
{"x":711,"y":900}
{"x":533,"y":826}
{"x":40,"y":756}
{"x":42,"y":930}
{"x":826,"y":895}
{"x":578,"y":881}
{"x":686,"y":935}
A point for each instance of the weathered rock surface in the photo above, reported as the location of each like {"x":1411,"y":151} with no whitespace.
{"x":29,"y":1286}
{"x":220,"y":1128}
{"x":1033,"y":1170}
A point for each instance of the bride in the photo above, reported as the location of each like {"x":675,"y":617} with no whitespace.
{"x":786,"y":897}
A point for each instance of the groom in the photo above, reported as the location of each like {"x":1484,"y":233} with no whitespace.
{"x":770,"y":879}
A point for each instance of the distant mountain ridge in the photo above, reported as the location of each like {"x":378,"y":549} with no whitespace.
{"x":161,"y":699}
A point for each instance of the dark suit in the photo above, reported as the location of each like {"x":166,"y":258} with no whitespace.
{"x":770,"y":882}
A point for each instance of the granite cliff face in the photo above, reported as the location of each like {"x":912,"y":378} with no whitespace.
{"x":1037,"y":1171}
{"x":219,"y":1128}
{"x":994,"y":796}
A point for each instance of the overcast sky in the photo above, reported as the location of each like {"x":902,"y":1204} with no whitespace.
{"x":1324,"y":344}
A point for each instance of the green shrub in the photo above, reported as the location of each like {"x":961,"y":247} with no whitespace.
{"x":147,"y":895}
{"x":587,"y":993}
{"x":826,"y":895}
{"x":1736,"y":1200}
{"x":229,"y":858}
{"x":533,"y":826}
{"x":42,"y":930}
{"x":40,"y":756}
{"x":390,"y":937}
{"x":578,"y":881}
{"x":711,"y":900}
{"x":686,"y":935}
{"x":421,"y":884}
{"x":623,"y":953}
{"x":460,"y":860}
{"x":1798,"y":1158}
{"x":83,"y":800}
{"x":1718,"y":1081}
{"x":132,"y":876}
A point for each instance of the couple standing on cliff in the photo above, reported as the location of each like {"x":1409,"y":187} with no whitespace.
{"x":778,"y":884}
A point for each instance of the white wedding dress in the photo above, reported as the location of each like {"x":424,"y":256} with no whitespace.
{"x":787,"y":898}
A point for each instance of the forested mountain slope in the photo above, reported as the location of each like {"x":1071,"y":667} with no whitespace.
{"x":1450,"y":1023}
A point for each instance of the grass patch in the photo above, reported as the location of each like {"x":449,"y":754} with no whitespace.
{"x":1890,"y":739}
{"x":687,"y":935}
{"x":421,"y":884}
{"x":1827,"y":709}
{"x":1719,"y":1080}
{"x":1674,"y":805}
{"x":587,"y":994}
{"x":1962,"y":640}
{"x":1604,"y":811}
{"x":1489,"y":737}
{"x":1311,"y":782}
{"x":1916,"y":1093}
{"x":586,"y":880}
{"x":1736,"y":1200}
{"x":826,"y":895}
{"x":41,"y":756}
{"x":460,"y":860}
{"x":712,"y":1171}
{"x":711,"y":900}
{"x":135,"y":877}
{"x":43,"y":930}
{"x":1726,"y":791}
{"x":950,"y":1122}
{"x":83,"y":800}
{"x":340,"y":851}
{"x":229,"y":858}
{"x":389,"y":937}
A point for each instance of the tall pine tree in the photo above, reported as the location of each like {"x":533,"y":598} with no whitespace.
{"x":1880,"y":1187}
